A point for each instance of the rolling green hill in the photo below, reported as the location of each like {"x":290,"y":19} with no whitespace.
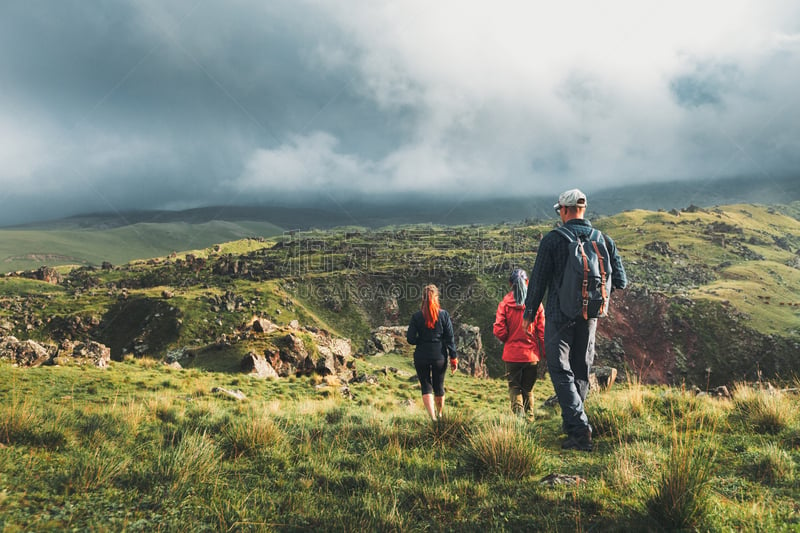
{"x":29,"y":248}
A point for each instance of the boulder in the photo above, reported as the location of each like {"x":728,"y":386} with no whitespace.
{"x":471,"y":357}
{"x":262,"y":325}
{"x":89,"y":352}
{"x":23,"y":353}
{"x":258,"y":366}
{"x":331,"y":356}
{"x":602,"y":377}
{"x":46,"y":274}
{"x":235,"y":394}
{"x":387,"y":339}
{"x":562,"y":479}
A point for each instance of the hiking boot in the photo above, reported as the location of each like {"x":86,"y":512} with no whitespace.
{"x":527,"y":407}
{"x":516,"y":402}
{"x":579,"y":442}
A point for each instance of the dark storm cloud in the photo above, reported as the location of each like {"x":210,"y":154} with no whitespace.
{"x":110,"y":105}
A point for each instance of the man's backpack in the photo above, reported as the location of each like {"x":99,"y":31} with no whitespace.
{"x":586,"y":284}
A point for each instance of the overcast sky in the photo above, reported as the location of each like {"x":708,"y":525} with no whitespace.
{"x":152,"y":104}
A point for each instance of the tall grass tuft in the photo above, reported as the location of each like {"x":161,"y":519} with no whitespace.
{"x":453,"y":428}
{"x":93,"y":469}
{"x":248,"y":434}
{"x":632,"y":465}
{"x":681,"y":500}
{"x":17,"y":420}
{"x":635,"y":395}
{"x":23,"y":422}
{"x":770,"y":465}
{"x":505,"y":449}
{"x":191,"y":461}
{"x":765,"y":411}
{"x":609,"y":421}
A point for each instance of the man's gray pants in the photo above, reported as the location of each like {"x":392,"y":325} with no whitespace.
{"x":569,"y":349}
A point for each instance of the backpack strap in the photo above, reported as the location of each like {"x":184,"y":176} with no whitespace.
{"x":602,"y":278}
{"x":597,"y":238}
{"x":567,"y":234}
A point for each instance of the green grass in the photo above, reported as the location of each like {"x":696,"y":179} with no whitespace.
{"x":24,"y":249}
{"x":140,"y":446}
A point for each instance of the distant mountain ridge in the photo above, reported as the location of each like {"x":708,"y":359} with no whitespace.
{"x":453,"y":211}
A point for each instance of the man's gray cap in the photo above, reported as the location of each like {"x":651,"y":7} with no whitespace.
{"x":571,"y":198}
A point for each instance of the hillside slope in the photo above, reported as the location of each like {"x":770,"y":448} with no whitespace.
{"x":29,"y":248}
{"x":714,"y":294}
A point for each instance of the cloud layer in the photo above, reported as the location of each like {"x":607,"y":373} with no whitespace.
{"x":150,"y":105}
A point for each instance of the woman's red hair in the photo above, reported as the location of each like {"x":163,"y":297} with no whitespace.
{"x":430,"y":305}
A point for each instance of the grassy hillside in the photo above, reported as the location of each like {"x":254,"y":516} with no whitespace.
{"x":709,"y":289}
{"x":143,"y":447}
{"x":27,"y":249}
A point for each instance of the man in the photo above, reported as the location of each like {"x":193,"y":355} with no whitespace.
{"x":569,"y":342}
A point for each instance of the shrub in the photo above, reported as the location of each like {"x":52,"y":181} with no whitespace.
{"x":504,"y":449}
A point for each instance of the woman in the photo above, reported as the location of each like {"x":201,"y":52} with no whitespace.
{"x":431,"y":331}
{"x":522,"y":348}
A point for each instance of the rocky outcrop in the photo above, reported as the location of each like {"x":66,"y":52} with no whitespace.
{"x":90,"y":352}
{"x":30,"y":353}
{"x":46,"y":274}
{"x":303,"y":352}
{"x":471,"y":356}
{"x":23,"y":353}
{"x":387,"y":339}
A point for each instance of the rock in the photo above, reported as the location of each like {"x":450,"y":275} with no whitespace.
{"x":387,"y":339}
{"x":561,"y":479}
{"x":552,"y":401}
{"x":92,"y":352}
{"x":46,"y":274}
{"x":722,"y":392}
{"x":659,"y":247}
{"x":262,"y":325}
{"x":366,"y":378}
{"x":294,"y":324}
{"x":471,"y":357}
{"x":331,"y":356}
{"x":235,"y":394}
{"x":23,"y":353}
{"x":258,"y":366}
{"x":602,"y":377}
{"x":167,"y":294}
